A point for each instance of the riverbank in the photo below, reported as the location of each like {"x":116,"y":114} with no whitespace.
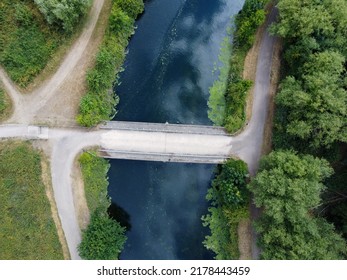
{"x":103,"y":237}
{"x":244,"y":52}
{"x":230,"y":93}
{"x":99,"y":103}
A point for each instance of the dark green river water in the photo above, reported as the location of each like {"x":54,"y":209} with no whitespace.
{"x":168,"y":71}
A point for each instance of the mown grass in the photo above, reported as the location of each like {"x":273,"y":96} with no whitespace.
{"x":27,"y":42}
{"x":27,"y":230}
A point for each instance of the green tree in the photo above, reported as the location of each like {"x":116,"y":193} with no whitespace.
{"x":103,"y":239}
{"x":316,"y":106}
{"x":288,"y":188}
{"x":302,"y":18}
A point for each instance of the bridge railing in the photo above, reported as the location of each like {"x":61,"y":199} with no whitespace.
{"x":164,"y":127}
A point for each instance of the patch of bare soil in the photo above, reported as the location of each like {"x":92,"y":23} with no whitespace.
{"x":244,"y":232}
{"x":80,"y":201}
{"x":46,"y":179}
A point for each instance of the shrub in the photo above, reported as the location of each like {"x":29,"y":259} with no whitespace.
{"x":103,"y":239}
{"x":63,"y":13}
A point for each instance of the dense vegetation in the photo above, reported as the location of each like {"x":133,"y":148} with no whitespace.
{"x":229,"y":204}
{"x":27,"y":42}
{"x":289,"y":187}
{"x":63,"y":13}
{"x":104,"y":238}
{"x":312,"y":102}
{"x":311,"y":117}
{"x":99,"y":103}
{"x":27,"y":230}
{"x":229,"y":93}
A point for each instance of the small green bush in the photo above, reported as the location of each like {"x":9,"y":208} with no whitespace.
{"x":103,"y":239}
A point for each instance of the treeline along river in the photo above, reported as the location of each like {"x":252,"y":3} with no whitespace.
{"x":168,"y":71}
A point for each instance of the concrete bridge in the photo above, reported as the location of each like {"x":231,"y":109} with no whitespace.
{"x":165,"y":142}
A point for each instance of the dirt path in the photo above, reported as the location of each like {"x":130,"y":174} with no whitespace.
{"x":47,"y":104}
{"x":249,"y":144}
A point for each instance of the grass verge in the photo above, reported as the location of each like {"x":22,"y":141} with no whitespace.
{"x":5,"y":105}
{"x":27,"y":230}
{"x":94,"y":172}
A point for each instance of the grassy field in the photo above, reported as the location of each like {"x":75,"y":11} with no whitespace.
{"x":27,"y":42}
{"x":27,"y":230}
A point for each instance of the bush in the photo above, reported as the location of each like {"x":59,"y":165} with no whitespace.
{"x":103,"y":239}
{"x":132,"y":7}
{"x":229,"y":199}
{"x":63,"y":13}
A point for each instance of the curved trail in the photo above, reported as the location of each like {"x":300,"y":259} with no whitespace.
{"x":67,"y":143}
{"x":27,"y":105}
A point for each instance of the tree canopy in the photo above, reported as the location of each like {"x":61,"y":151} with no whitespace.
{"x":316,"y":104}
{"x":288,"y":188}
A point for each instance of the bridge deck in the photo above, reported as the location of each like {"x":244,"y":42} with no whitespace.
{"x":158,"y":142}
{"x":164,"y":127}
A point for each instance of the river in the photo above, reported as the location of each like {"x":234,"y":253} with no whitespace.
{"x":168,"y":71}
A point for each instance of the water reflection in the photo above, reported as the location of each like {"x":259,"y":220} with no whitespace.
{"x":119,"y":214}
{"x":168,"y":74}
